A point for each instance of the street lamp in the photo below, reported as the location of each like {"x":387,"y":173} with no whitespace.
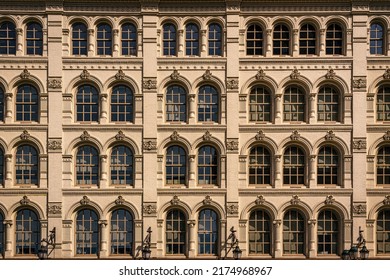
{"x":354,"y":253}
{"x":237,"y":253}
{"x":146,"y":252}
{"x":43,"y":251}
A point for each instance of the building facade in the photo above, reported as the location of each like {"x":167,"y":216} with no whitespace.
{"x":193,"y":117}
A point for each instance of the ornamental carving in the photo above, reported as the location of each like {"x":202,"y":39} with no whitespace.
{"x":329,"y":199}
{"x":175,"y":200}
{"x":54,"y":144}
{"x":149,"y":84}
{"x":54,"y":83}
{"x":359,"y":144}
{"x":232,"y":209}
{"x":386,"y":137}
{"x":85,"y":74}
{"x":331,"y":74}
{"x":260,"y":200}
{"x":25,"y":200}
{"x":120,"y":136}
{"x":359,"y":83}
{"x":207,"y":75}
{"x":175,"y":75}
{"x":295,"y":74}
{"x":295,"y":136}
{"x":207,"y":200}
{"x":150,"y":145}
{"x":260,"y":74}
{"x":359,"y":209}
{"x":54,"y":208}
{"x":330,"y":135}
{"x":386,"y":201}
{"x":175,"y":136}
{"x":85,"y":200}
{"x":386,"y":75}
{"x":25,"y":135}
{"x":232,"y":83}
{"x":25,"y":74}
{"x":295,"y":200}
{"x":120,"y":75}
{"x":232,"y":145}
{"x":207,"y":136}
{"x":260,"y":135}
{"x":85,"y":135}
{"x":150,"y":209}
{"x":120,"y":200}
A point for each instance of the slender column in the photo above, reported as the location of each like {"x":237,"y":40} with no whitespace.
{"x":181,"y":43}
{"x":278,"y":169}
{"x":312,"y":171}
{"x":295,"y":50}
{"x":192,"y":179}
{"x":322,"y":42}
{"x":19,"y":49}
{"x":8,"y":167}
{"x":91,"y":38}
{"x":278,"y":105}
{"x":191,"y":101}
{"x":104,"y":239}
{"x":104,"y":109}
{"x":278,"y":239}
{"x":312,"y":239}
{"x":203,"y":42}
{"x":191,"y":238}
{"x":115,"y":52}
{"x":268,"y":52}
{"x":8,"y":105}
{"x":103,"y":168}
{"x":312,"y":109}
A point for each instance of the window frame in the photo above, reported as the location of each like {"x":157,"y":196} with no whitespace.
{"x":2,"y":105}
{"x":212,"y":41}
{"x":117,"y":91}
{"x":385,"y":231}
{"x":338,"y":175}
{"x":377,"y":39}
{"x":281,"y":40}
{"x":326,"y":91}
{"x":334,"y":39}
{"x":335,"y":235}
{"x":128,"y":166}
{"x":383,"y":92}
{"x":291,"y":167}
{"x":79,"y":40}
{"x":36,"y":40}
{"x":215,"y":117}
{"x":205,"y":232}
{"x":179,"y":166}
{"x":88,"y":165}
{"x":89,"y":103}
{"x":192,"y":40}
{"x":304,"y":113}
{"x":250,"y":165}
{"x":180,"y":94}
{"x":265,"y":91}
{"x":308,"y":39}
{"x":125,"y":221}
{"x":210,"y":166}
{"x":383,"y":166}
{"x":172,"y":40}
{"x":132,"y":51}
{"x":254,"y":40}
{"x":181,"y":222}
{"x":9,"y":40}
{"x":33,"y":223}
{"x":255,"y":219}
{"x":107,"y":40}
{"x":297,"y":232}
{"x":92,"y":233}
{"x":27,"y":166}
{"x":34,"y":117}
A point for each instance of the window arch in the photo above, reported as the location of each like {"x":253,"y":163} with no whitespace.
{"x":254,"y":40}
{"x":294,"y":166}
{"x":260,"y":104}
{"x":207,"y":166}
{"x":383,"y":166}
{"x":7,"y":38}
{"x":34,"y":38}
{"x":104,"y":39}
{"x":192,"y":39}
{"x":208,"y":232}
{"x":294,"y":107}
{"x":87,"y":232}
{"x":121,"y":166}
{"x":27,"y":232}
{"x":122,"y":232}
{"x":377,"y":38}
{"x":2,"y":171}
{"x":328,"y":104}
{"x":383,"y":232}
{"x":215,"y":39}
{"x":281,"y":40}
{"x":208,"y":107}
{"x":307,"y":39}
{"x":259,"y":233}
{"x":87,"y":166}
{"x":176,"y":104}
{"x":327,"y":232}
{"x":2,"y":105}
{"x":175,"y":233}
{"x":176,"y":166}
{"x":26,"y":165}
{"x":122,"y":101}
{"x":328,"y":166}
{"x":79,"y":39}
{"x":293,"y":232}
{"x":27,"y":103}
{"x":260,"y":166}
{"x":129,"y":39}
{"x":383,"y":103}
{"x":169,"y":39}
{"x":334,"y":39}
{"x":87,"y":104}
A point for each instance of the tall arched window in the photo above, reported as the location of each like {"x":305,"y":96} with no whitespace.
{"x":87,"y":232}
{"x":208,"y":232}
{"x":176,"y":166}
{"x":169,"y":39}
{"x":121,"y":166}
{"x":34,"y":38}
{"x":122,"y":104}
{"x":383,"y":232}
{"x":1,"y":167}
{"x":376,"y":39}
{"x":7,"y":38}
{"x":328,"y":166}
{"x":254,"y":40}
{"x":328,"y":104}
{"x":27,"y":232}
{"x":79,"y":39}
{"x":215,"y":39}
{"x":294,"y":107}
{"x":104,"y":39}
{"x":87,"y":166}
{"x":2,"y":105}
{"x":129,"y":39}
{"x":192,"y":39}
{"x":175,"y":233}
{"x":26,"y":165}
{"x":307,"y":39}
{"x":208,"y":104}
{"x":383,"y":103}
{"x":293,"y":233}
{"x":122,"y":232}
{"x":207,"y":166}
{"x":327,"y":233}
{"x":281,"y":40}
{"x":259,"y":233}
{"x":383,"y":166}
{"x":260,"y":104}
{"x":2,"y":234}
{"x":87,"y":104}
{"x":27,"y":104}
{"x":334,"y":39}
{"x":176,"y":104}
{"x":294,"y":166}
{"x":259,"y":166}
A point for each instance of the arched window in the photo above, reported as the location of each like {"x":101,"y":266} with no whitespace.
{"x":87,"y":232}
{"x":129,"y":39}
{"x":260,"y":104}
{"x":383,"y":103}
{"x":208,"y":232}
{"x":34,"y":38}
{"x":207,"y":166}
{"x":259,"y":233}
{"x":215,"y":39}
{"x":1,"y":234}
{"x":327,"y":233}
{"x":328,"y":166}
{"x":307,"y":39}
{"x":7,"y":38}
{"x":259,"y":166}
{"x":175,"y":233}
{"x":1,"y":169}
{"x":383,"y":232}
{"x":294,"y":166}
{"x":254,"y":40}
{"x":122,"y":104}
{"x":104,"y":39}
{"x":2,"y":105}
{"x":27,"y":232}
{"x":27,"y":104}
{"x":208,"y":104}
{"x":294,"y":107}
{"x":176,"y":166}
{"x":334,"y":39}
{"x":176,"y":104}
{"x":328,"y":104}
{"x":79,"y":39}
{"x":169,"y":39}
{"x":293,"y":233}
{"x":376,"y":39}
{"x":87,"y":104}
{"x":122,"y":232}
{"x":192,"y":39}
{"x":87,"y":166}
{"x":26,"y":165}
{"x":281,"y":41}
{"x":383,"y":166}
{"x":121,"y":167}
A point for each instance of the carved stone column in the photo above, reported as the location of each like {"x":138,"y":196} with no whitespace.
{"x":104,"y":108}
{"x":278,"y":171}
{"x":8,"y":106}
{"x":103,"y":169}
{"x":8,"y":170}
{"x":192,"y":171}
{"x":312,"y":171}
{"x":278,"y":238}
{"x":322,"y":42}
{"x":204,"y":41}
{"x":104,"y":238}
{"x":115,"y":48}
{"x":8,"y":238}
{"x":312,"y":239}
{"x":19,"y":49}
{"x":191,"y":238}
{"x":295,"y":50}
{"x":312,"y":109}
{"x":91,"y":40}
{"x":181,"y":50}
{"x":268,"y":51}
{"x":192,"y":103}
{"x":278,"y":113}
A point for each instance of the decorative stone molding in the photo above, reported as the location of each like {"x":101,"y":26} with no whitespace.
{"x":331,"y":74}
{"x":359,"y":144}
{"x":260,"y":74}
{"x":260,"y":135}
{"x":207,"y":136}
{"x":295,"y":200}
{"x":207,"y":200}
{"x":150,"y":83}
{"x":149,"y":209}
{"x":207,"y":75}
{"x":120,"y":136}
{"x":386,"y":201}
{"x":359,"y":209}
{"x":295,"y":74}
{"x":295,"y":136}
{"x":329,"y":199}
{"x":359,"y":83}
{"x":330,"y":136}
{"x":85,"y":200}
{"x":175,"y":200}
{"x":85,"y":75}
{"x":120,"y":75}
{"x":386,"y":137}
{"x":232,"y":83}
{"x":260,"y":200}
{"x":25,"y":135}
{"x":174,"y":136}
{"x":54,"y":208}
{"x":25,"y":200}
{"x":232,"y":208}
{"x":85,"y":136}
{"x":25,"y":74}
{"x":386,"y":75}
{"x":149,"y":145}
{"x":120,"y":200}
{"x":175,"y":75}
{"x":54,"y":144}
{"x":232,"y":144}
{"x":103,"y":223}
{"x":54,"y":83}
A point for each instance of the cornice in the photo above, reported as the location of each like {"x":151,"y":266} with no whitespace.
{"x":17,"y":191}
{"x":102,"y":127}
{"x":187,"y":191}
{"x":379,"y":128}
{"x":378,"y":192}
{"x":298,"y":127}
{"x":320,"y":62}
{"x":101,"y":192}
{"x":20,"y":127}
{"x":306,"y":192}
{"x":214,"y":61}
{"x":191,"y":128}
{"x":99,"y":60}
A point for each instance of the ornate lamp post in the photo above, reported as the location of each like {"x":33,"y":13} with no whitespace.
{"x":237,"y":253}
{"x":146,"y":252}
{"x":43,"y":251}
{"x":354,"y":253}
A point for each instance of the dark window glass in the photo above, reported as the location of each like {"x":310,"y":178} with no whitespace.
{"x":27,"y":232}
{"x":328,"y":166}
{"x":376,"y":39}
{"x":334,"y":39}
{"x":87,"y":104}
{"x":328,"y":104}
{"x":254,"y":40}
{"x":121,"y":166}
{"x":87,"y":166}
{"x":169,"y":39}
{"x":215,"y":39}
{"x":208,"y":232}
{"x":383,"y":232}
{"x":87,"y":232}
{"x":327,"y":233}
{"x":208,"y":104}
{"x":259,"y":233}
{"x":122,"y":104}
{"x":176,"y":166}
{"x":307,"y":39}
{"x":192,"y":39}
{"x":27,"y":104}
{"x":293,"y":233}
{"x":175,"y":233}
{"x":104,"y":39}
{"x":383,"y":166}
{"x":383,"y":104}
{"x":34,"y":38}
{"x":121,"y":234}
{"x":294,"y":166}
{"x":26,"y":165}
{"x":79,"y":39}
{"x":281,"y":40}
{"x":259,"y":166}
{"x":260,"y":105}
{"x":129,"y":39}
{"x":176,"y":105}
{"x":294,"y":105}
{"x":7,"y":38}
{"x":207,"y":166}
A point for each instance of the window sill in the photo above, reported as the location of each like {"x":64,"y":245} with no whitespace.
{"x":176,"y":186}
{"x":261,"y":186}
